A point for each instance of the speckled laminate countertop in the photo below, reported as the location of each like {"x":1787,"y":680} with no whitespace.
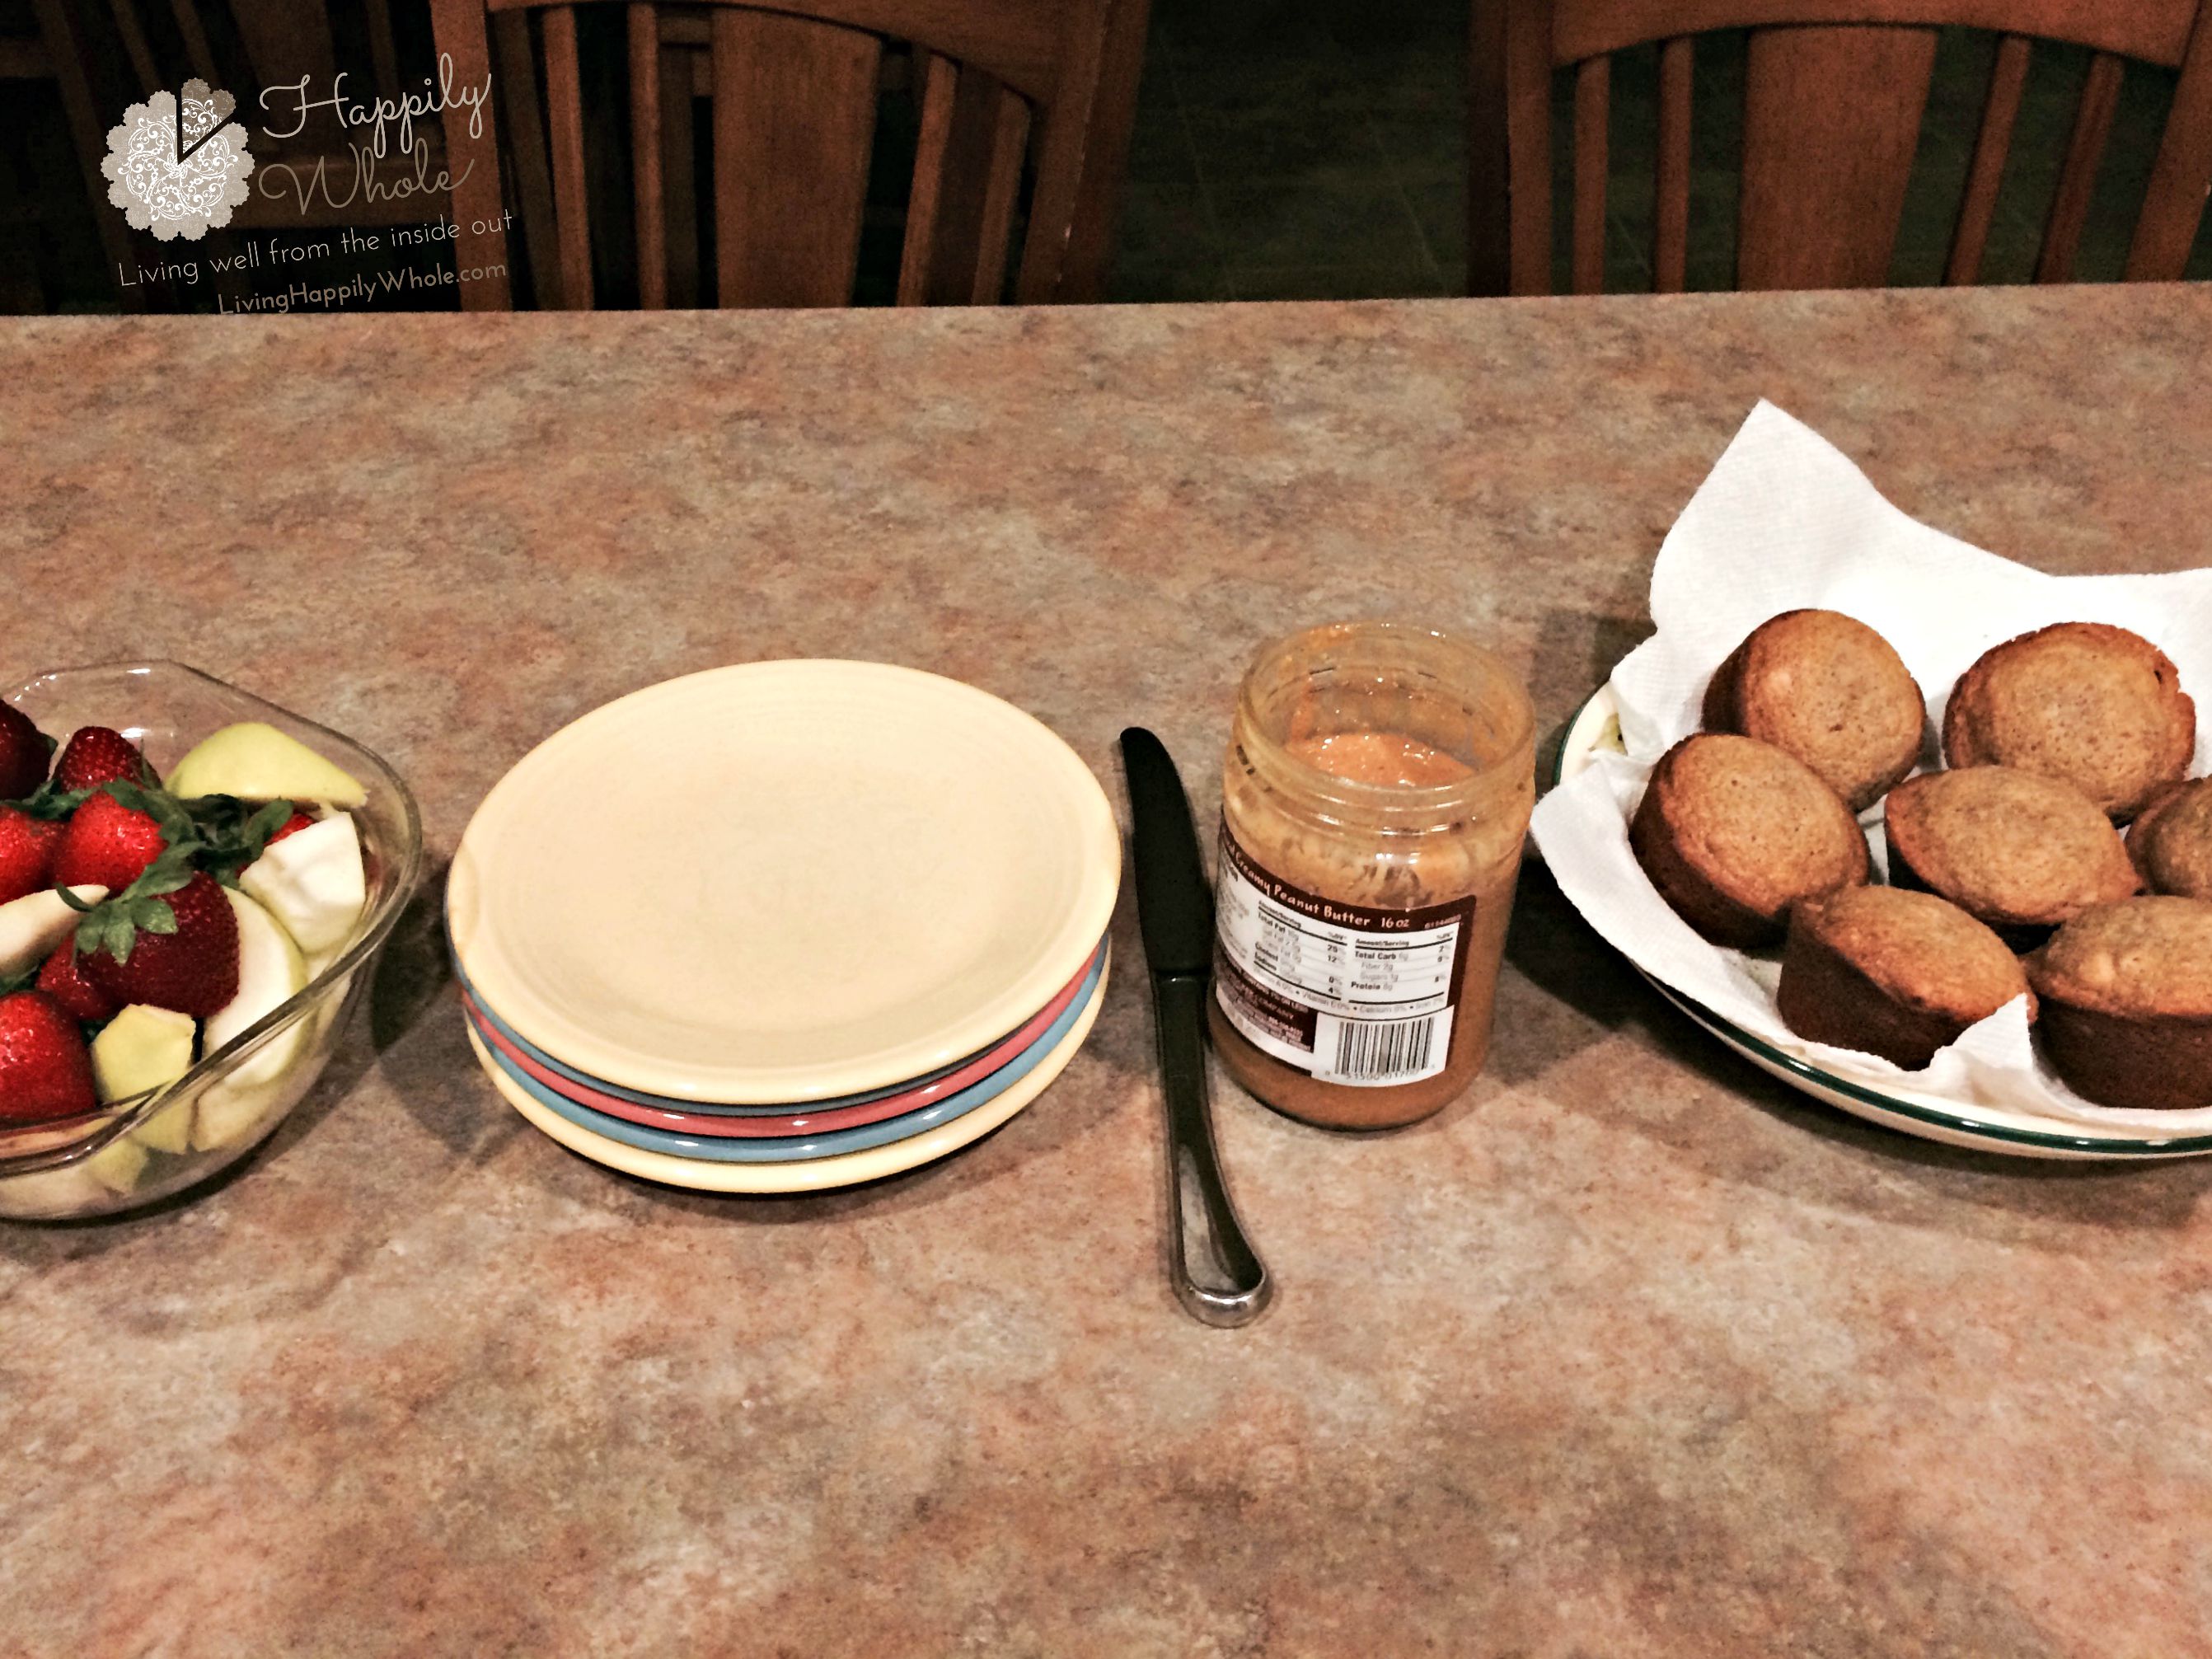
{"x":1631,"y":1351}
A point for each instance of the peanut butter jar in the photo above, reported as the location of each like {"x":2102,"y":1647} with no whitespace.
{"x":1375,"y":794}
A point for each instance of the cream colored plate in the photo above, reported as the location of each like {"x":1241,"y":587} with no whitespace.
{"x":815,"y":1173}
{"x":784,"y":882}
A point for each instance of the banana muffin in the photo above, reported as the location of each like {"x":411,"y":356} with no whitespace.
{"x":2126,"y":994}
{"x":2017,"y":850}
{"x":2172,"y":842}
{"x":1733,"y":832}
{"x":1831,"y":691}
{"x":2095,"y":705}
{"x":1892,"y":973}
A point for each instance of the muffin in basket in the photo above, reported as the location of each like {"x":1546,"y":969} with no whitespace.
{"x":1892,"y":973}
{"x":2172,"y":842}
{"x":2016,"y":850}
{"x":2126,"y":994}
{"x":1831,"y":691}
{"x":2095,"y":705}
{"x":1734,"y":831}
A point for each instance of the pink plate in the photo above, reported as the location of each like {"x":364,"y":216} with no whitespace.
{"x":798,"y":1123}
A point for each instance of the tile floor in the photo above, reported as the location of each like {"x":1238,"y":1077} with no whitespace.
{"x":1317,"y":149}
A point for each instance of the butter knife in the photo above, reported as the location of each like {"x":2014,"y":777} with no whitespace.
{"x":1174,"y":911}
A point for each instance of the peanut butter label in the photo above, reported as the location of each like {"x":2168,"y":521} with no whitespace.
{"x":1346,"y":993}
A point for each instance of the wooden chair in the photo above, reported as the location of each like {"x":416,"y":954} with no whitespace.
{"x":793,"y":91}
{"x":1834,"y":94}
{"x":46,"y":56}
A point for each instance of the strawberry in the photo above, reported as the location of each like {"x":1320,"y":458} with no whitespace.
{"x":24,"y":752}
{"x":62,"y":979}
{"x":44,"y":1069}
{"x":26,"y":852}
{"x":292,"y":825}
{"x":107,"y":843}
{"x":97,"y":756}
{"x":170,"y":940}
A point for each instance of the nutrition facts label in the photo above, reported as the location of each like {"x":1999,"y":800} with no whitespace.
{"x":1348,"y":994}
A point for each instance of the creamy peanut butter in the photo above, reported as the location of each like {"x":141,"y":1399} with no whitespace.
{"x":1380,"y":757}
{"x":1376,"y":795}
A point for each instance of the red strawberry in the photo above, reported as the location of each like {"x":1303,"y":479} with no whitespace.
{"x":107,"y":842}
{"x":44,"y":1069}
{"x":97,"y":756}
{"x":191,"y":966}
{"x":62,"y":979}
{"x":26,"y":852}
{"x":292,"y":825}
{"x":24,"y":752}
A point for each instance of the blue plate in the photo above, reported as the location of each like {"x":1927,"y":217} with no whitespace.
{"x":831,"y":1142}
{"x":674,"y":1103}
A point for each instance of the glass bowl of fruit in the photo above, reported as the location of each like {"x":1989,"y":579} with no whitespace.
{"x":194,"y":885}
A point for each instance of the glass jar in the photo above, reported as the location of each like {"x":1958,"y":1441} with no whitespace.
{"x":1376,"y":793}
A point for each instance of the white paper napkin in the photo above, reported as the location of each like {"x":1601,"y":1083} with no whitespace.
{"x":1785,"y":521}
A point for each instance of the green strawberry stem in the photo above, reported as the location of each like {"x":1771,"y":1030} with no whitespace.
{"x":233,"y":833}
{"x":113,"y":925}
{"x":219,"y":834}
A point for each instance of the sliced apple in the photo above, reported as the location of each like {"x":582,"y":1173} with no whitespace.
{"x":118,"y":1165}
{"x":312,"y":882}
{"x":49,"y":1193}
{"x":32,"y":926}
{"x":141,"y":1048}
{"x":270,"y":971}
{"x":170,"y":1129}
{"x":254,"y":761}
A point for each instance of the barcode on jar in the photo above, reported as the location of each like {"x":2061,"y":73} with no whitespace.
{"x":1361,"y":1051}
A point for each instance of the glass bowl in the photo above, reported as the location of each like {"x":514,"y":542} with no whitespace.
{"x":132,"y":1152}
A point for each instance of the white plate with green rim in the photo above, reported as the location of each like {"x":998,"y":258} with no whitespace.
{"x":1595,"y":729}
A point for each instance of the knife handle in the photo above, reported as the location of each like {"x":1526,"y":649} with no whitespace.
{"x":1232,"y":1287}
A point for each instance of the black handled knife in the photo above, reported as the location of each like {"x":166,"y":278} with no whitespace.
{"x":1174,"y":911}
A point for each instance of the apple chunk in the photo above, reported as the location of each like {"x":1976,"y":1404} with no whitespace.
{"x":32,"y":926}
{"x":271,"y":972}
{"x":312,"y":882}
{"x":254,"y":761}
{"x":141,"y":1048}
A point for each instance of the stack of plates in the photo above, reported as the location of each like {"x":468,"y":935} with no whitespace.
{"x":786,"y":926}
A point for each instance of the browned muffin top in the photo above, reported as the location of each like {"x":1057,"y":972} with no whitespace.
{"x":1757,"y":823}
{"x":2012,"y":847}
{"x":2172,"y":842}
{"x":2141,"y":958}
{"x":1830,"y":690}
{"x":2096,"y":705}
{"x":1923,"y":950}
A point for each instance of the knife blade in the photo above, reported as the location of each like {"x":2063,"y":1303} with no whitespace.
{"x":1175,"y":914}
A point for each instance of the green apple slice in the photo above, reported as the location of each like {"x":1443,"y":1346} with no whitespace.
{"x":312,"y":882}
{"x":141,"y":1048}
{"x":270,"y":971}
{"x":74,"y":1189}
{"x":118,"y":1165}
{"x":32,"y":926}
{"x":254,"y":761}
{"x":170,"y":1129}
